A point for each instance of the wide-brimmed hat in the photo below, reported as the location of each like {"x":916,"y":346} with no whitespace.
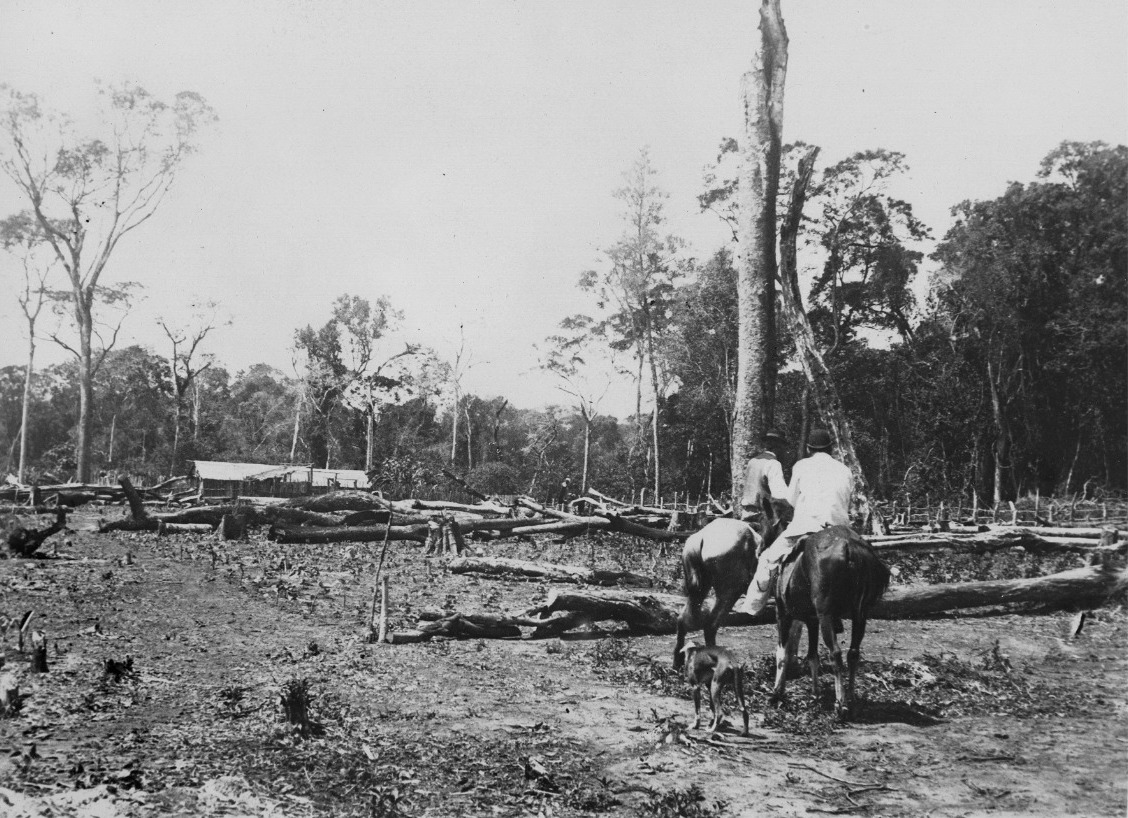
{"x":775,"y":434}
{"x":819,"y":439}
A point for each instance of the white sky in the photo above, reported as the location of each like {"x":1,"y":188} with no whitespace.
{"x":460,"y":156}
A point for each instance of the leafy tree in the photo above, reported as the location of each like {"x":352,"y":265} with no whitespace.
{"x":1034,"y":286}
{"x":88,"y":192}
{"x":635,"y":289}
{"x":22,"y":237}
{"x":867,"y":238}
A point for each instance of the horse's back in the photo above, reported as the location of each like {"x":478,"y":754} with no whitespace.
{"x":846,"y":575}
{"x":723,"y":536}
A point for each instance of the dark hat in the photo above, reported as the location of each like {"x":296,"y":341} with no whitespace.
{"x":819,"y":439}
{"x":775,"y":434}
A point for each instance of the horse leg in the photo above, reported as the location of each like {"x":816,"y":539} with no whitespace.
{"x":721,"y":607}
{"x":830,"y":639}
{"x":857,"y":631}
{"x":783,"y":634}
{"x":739,"y":685}
{"x":813,"y":657}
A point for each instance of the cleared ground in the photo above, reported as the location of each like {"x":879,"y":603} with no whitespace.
{"x":1000,"y":715}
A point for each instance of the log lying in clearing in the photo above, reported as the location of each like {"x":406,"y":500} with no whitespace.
{"x":544,"y":570}
{"x":1030,"y":539}
{"x":358,"y":533}
{"x":657,"y":614}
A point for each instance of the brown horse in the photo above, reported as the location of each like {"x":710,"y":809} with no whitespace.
{"x":722,"y":556}
{"x":834,"y":575}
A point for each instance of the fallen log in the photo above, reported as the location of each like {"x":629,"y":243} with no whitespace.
{"x":991,"y":541}
{"x":164,"y":529}
{"x":476,"y":626}
{"x":544,"y":570}
{"x":344,"y":500}
{"x":373,"y":533}
{"x":658,"y":613}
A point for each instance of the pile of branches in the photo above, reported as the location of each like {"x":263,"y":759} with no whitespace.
{"x":43,"y":499}
{"x":361,"y":516}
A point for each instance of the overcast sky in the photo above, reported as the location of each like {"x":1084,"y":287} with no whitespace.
{"x":459,"y":157}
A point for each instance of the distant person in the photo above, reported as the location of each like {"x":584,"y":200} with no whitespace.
{"x":820,"y":493}
{"x":564,"y":494}
{"x":764,"y":463}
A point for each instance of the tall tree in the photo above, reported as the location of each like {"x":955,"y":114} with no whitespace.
{"x":22,"y":237}
{"x":818,"y":375}
{"x":88,"y":192}
{"x":634,"y":292}
{"x":566,"y":357}
{"x":184,"y":366}
{"x":867,"y":236}
{"x":1034,"y":284}
{"x":762,"y":91}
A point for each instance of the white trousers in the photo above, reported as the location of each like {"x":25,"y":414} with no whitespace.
{"x":767,"y":569}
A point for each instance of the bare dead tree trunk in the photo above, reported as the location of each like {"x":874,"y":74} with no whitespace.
{"x":297,"y":426}
{"x":469,"y":438}
{"x":84,"y":443}
{"x":370,"y":435}
{"x":818,"y":375}
{"x":1002,"y":429}
{"x":25,"y":409}
{"x":763,"y":89}
{"x":587,"y":448}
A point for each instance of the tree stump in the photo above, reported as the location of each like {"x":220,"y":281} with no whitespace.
{"x":233,"y":527}
{"x":295,"y":700}
{"x":38,"y":652}
{"x":9,"y":695}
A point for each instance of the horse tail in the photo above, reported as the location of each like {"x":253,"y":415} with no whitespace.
{"x":869,"y":573}
{"x":696,"y":580}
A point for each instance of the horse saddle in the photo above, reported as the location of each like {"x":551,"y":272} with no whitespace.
{"x":794,"y":553}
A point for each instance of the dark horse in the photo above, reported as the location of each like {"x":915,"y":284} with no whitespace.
{"x":722,"y":557}
{"x":834,"y":575}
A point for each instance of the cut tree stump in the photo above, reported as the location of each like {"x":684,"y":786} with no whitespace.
{"x":23,"y":541}
{"x":38,"y":652}
{"x":544,"y":570}
{"x":9,"y":695}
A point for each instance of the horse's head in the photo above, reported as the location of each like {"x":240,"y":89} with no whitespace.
{"x":777,"y":513}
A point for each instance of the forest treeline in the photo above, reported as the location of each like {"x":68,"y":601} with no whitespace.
{"x":1004,"y":375}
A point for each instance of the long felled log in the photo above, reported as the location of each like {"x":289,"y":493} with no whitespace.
{"x":369,"y":533}
{"x":657,"y":613}
{"x":481,"y":626}
{"x":544,"y":570}
{"x":989,"y":541}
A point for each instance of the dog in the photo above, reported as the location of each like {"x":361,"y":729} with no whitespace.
{"x":716,"y":668}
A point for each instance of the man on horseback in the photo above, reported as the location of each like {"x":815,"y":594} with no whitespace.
{"x":763,"y":466}
{"x":819,"y":492}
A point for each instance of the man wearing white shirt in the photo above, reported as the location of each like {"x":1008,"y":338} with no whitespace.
{"x":763,"y":465}
{"x":819,"y":492}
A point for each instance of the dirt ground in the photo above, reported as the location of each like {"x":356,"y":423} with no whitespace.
{"x":1001,"y":714}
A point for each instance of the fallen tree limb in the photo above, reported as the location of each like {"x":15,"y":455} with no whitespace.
{"x":543,"y":570}
{"x":311,"y":534}
{"x":164,"y":529}
{"x":992,"y":541}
